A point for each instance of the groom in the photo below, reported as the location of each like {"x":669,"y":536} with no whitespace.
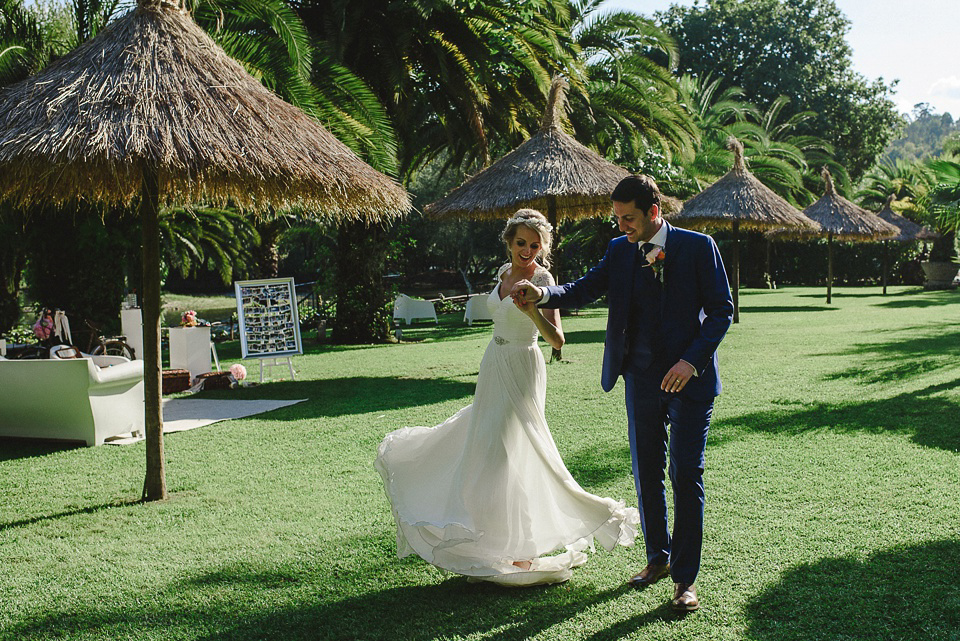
{"x":669,"y":308}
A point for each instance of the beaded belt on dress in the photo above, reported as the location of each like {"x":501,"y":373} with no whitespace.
{"x":499,"y":340}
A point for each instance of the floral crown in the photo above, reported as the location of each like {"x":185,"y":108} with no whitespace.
{"x":531,"y":217}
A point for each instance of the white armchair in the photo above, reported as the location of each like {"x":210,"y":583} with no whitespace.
{"x":477,"y":309}
{"x":409,"y":308}
{"x":71,"y":399}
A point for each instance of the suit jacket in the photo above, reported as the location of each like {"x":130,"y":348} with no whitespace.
{"x":694,"y":281}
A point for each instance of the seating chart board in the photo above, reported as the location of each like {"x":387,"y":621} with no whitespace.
{"x":269,"y":324}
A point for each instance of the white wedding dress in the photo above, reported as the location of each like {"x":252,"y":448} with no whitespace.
{"x":488,"y":487}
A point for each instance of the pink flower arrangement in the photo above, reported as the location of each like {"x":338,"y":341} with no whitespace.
{"x":238,"y":371}
{"x":43,"y":328}
{"x":188,"y":319}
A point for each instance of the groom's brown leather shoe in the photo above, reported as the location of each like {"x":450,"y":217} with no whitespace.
{"x":685,"y":597}
{"x":649,"y":575}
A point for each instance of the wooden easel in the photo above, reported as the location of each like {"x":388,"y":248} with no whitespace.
{"x":277,"y":361}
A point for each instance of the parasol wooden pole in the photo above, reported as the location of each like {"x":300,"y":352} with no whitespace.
{"x":829,"y":267}
{"x":886,"y":249}
{"x":735,"y":285}
{"x":556,"y":354}
{"x":770,"y":282}
{"x":155,"y":483}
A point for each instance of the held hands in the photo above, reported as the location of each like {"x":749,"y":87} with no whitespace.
{"x":525,"y":296}
{"x":678,"y":377}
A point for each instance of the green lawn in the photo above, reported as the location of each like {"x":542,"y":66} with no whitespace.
{"x":210,"y":308}
{"x":833,"y":497}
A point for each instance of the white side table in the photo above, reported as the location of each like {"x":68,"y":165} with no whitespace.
{"x":131,"y":325}
{"x":190,"y":349}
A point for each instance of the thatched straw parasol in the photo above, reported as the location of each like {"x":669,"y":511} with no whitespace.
{"x":739,"y":201}
{"x":843,"y":220}
{"x":153,"y":112}
{"x":550,"y":172}
{"x":909,"y":232}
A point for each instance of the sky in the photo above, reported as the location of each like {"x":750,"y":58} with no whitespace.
{"x":913,"y":41}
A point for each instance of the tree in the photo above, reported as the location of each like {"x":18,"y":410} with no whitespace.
{"x":908,"y":181}
{"x":778,"y":153}
{"x":945,"y":206}
{"x":77,"y":261}
{"x":630,"y":103}
{"x":26,"y":46}
{"x":794,"y":48}
{"x":271,"y":41}
{"x":455,"y":75}
{"x":927,"y":134}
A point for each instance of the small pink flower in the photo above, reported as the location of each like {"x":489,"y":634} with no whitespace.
{"x":238,"y":371}
{"x":43,"y":328}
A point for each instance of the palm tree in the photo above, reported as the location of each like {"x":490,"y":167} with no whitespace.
{"x":631,"y":103}
{"x":909,"y":181}
{"x":779,"y":155}
{"x":713,"y":113}
{"x":269,"y":39}
{"x":219,"y":240}
{"x":456,"y":77}
{"x":26,"y":46}
{"x":944,"y":200}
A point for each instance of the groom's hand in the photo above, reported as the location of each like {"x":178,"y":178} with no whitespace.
{"x":525,"y":292}
{"x":678,"y":377}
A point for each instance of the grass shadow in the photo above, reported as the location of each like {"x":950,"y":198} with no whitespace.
{"x":290,"y":602}
{"x":875,"y":292}
{"x":623,"y":629}
{"x":453,"y":609}
{"x":901,"y":593}
{"x":19,"y":448}
{"x":786,"y":309}
{"x":585,"y":336}
{"x":52,"y":517}
{"x":898,"y":360}
{"x":931,"y":299}
{"x":926,"y":416}
{"x":351,"y":395}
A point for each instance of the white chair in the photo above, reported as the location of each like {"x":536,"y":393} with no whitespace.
{"x":65,"y":352}
{"x":476,"y":309}
{"x":71,"y":399}
{"x":410,"y":308}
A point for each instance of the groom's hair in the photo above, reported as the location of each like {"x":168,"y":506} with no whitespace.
{"x":639,"y":189}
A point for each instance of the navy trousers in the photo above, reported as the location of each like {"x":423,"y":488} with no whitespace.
{"x":650,"y":412}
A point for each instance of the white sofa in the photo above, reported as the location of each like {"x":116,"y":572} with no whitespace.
{"x":477,"y":309}
{"x":71,"y":399}
{"x":409,"y":308}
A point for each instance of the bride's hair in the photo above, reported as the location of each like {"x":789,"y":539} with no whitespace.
{"x":531,"y":219}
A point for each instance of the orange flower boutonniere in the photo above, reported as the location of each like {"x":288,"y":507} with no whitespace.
{"x":654,"y":259}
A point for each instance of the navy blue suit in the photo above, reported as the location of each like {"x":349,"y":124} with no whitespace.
{"x":650,"y":327}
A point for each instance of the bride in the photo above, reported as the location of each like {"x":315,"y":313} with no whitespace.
{"x":486,"y":494}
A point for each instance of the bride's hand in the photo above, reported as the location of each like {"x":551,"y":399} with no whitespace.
{"x":525,"y":296}
{"x":527,"y":307}
{"x":525,"y":291}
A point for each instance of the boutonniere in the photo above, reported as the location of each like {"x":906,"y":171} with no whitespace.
{"x":654,"y":259}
